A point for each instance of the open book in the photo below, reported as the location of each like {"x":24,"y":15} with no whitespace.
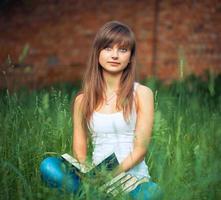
{"x":108,"y":164}
{"x":124,"y":182}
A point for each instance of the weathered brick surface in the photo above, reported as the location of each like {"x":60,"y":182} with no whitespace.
{"x":60,"y":33}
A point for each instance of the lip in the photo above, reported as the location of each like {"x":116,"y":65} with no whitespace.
{"x":114,"y":63}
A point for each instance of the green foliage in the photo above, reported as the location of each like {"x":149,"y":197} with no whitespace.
{"x":183,"y":155}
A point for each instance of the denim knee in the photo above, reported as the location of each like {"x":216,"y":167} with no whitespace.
{"x":55,"y":173}
{"x":146,"y":191}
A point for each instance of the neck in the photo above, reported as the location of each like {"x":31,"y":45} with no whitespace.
{"x":112,"y":81}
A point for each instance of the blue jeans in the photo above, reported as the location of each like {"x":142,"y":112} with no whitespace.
{"x":56,"y":174}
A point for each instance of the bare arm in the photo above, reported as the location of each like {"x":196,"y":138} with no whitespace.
{"x":79,"y":134}
{"x":143,"y":130}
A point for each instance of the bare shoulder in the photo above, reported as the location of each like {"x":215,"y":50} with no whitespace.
{"x":144,"y":92}
{"x":79,"y":98}
{"x":77,"y":101}
{"x":145,"y":99}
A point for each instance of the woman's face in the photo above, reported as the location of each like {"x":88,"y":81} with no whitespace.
{"x":114,"y":59}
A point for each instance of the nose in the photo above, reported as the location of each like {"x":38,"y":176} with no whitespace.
{"x":114,"y":54}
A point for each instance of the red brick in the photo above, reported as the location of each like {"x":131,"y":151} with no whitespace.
{"x":64,"y":30}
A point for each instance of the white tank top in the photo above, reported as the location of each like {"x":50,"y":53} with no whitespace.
{"x":111,"y":133}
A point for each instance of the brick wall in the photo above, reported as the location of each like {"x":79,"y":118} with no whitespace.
{"x":58,"y":36}
{"x":191,"y":30}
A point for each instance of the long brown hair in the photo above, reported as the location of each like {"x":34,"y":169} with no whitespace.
{"x":94,"y":86}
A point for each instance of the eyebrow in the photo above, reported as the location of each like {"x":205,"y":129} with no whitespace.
{"x":123,"y":47}
{"x":119,"y":46}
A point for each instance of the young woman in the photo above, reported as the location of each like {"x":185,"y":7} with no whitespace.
{"x":113,"y":110}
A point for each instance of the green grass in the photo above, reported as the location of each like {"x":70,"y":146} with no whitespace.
{"x":183,"y":157}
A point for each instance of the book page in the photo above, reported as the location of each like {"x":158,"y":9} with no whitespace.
{"x":122,"y":183}
{"x":82,"y":168}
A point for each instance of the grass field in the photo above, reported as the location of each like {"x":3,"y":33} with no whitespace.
{"x":183,"y":157}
